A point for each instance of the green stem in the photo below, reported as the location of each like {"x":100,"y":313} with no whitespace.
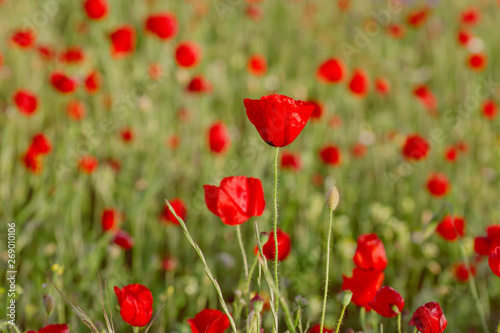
{"x":363,"y":319}
{"x":399,"y":322}
{"x":252,"y":269}
{"x":2,"y":325}
{"x":472,"y":284}
{"x":207,"y":269}
{"x":498,"y":327}
{"x":415,"y":330}
{"x":327,"y":270}
{"x":339,"y":323}
{"x":136,"y":329}
{"x":275,"y":229}
{"x":242,"y":248}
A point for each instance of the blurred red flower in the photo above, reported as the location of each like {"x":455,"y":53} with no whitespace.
{"x":464,"y":37}
{"x":451,"y":228}
{"x":489,"y":109}
{"x":122,"y":41}
{"x":209,"y":321}
{"x":284,"y":246}
{"x":331,"y":70}
{"x":382,"y":86}
{"x":462,"y":274}
{"x":415,"y":147}
{"x":418,"y":17}
{"x":359,"y":150}
{"x":370,"y":253}
{"x":278,"y":119}
{"x":24,"y":39}
{"x":32,"y":161}
{"x":451,"y":154}
{"x":396,"y":30}
{"x":477,"y":61}
{"x":136,"y":304}
{"x":92,"y":82}
{"x":123,"y":240}
{"x":163,"y":25}
{"x":426,"y":98}
{"x":76,"y":110}
{"x":88,"y":164}
{"x":26,"y":101}
{"x":331,"y":155}
{"x":236,"y":199}
{"x":63,"y":83}
{"x":54,"y":328}
{"x":109,"y":219}
{"x":218,"y":138}
{"x":359,"y":83}
{"x":96,"y":9}
{"x":429,"y":318}
{"x":127,"y":134}
{"x":254,"y":12}
{"x":494,"y":261}
{"x":317,"y":329}
{"x":484,"y":245}
{"x":179,"y":208}
{"x":46,"y":52}
{"x":470,"y":16}
{"x":385,"y":298}
{"x":73,"y":55}
{"x":199,"y":85}
{"x":290,"y":161}
{"x":438,"y":185}
{"x":257,"y":65}
{"x":364,"y":286}
{"x":187,"y":54}
{"x":40,"y":144}
{"x":317,"y":111}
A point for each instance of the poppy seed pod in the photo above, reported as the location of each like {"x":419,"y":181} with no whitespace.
{"x":346,"y":297}
{"x":48,"y":304}
{"x":332,"y":198}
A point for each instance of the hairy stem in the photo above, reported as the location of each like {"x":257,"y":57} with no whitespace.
{"x":242,"y":248}
{"x":339,"y":323}
{"x":327,"y":270}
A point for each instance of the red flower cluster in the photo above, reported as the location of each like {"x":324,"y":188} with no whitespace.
{"x":367,"y":278}
{"x":451,"y":228}
{"x":40,"y":145}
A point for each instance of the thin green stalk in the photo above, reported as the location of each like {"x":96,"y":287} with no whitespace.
{"x":399,"y":322}
{"x":136,"y":329}
{"x":498,"y":327}
{"x":242,"y":248}
{"x":275,"y":229}
{"x":472,"y":285}
{"x":415,"y":330}
{"x":363,"y":319}
{"x":2,"y":325}
{"x":339,"y":323}
{"x":327,"y":270}
{"x":207,"y":269}
{"x":252,"y":269}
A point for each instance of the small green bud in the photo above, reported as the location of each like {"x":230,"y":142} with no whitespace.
{"x":257,"y":303}
{"x":346,"y":297}
{"x":48,"y":304}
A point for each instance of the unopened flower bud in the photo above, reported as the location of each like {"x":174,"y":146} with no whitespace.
{"x":332,"y":198}
{"x":48,"y":304}
{"x":346,"y":297}
{"x":257,"y":303}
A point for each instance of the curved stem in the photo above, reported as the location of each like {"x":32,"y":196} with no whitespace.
{"x":250,"y":275}
{"x":275,"y":230}
{"x":339,"y":323}
{"x":399,"y":322}
{"x":2,"y":325}
{"x":327,"y":270}
{"x":207,"y":269}
{"x":242,"y":248}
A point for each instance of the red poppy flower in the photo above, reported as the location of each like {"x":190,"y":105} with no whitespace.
{"x":218,"y":138}
{"x":46,"y":52}
{"x":40,"y":144}
{"x":109,"y":219}
{"x":173,"y":141}
{"x":364,"y":286}
{"x":96,"y":9}
{"x":92,"y":82}
{"x":490,"y":109}
{"x":136,"y":304}
{"x":477,"y":61}
{"x":331,"y":70}
{"x":179,"y":208}
{"x":317,"y":111}
{"x":416,"y":148}
{"x":451,"y":154}
{"x":370,"y":253}
{"x":438,"y":185}
{"x":73,"y":55}
{"x":331,"y":155}
{"x":32,"y":161}
{"x":26,"y":102}
{"x":76,"y":110}
{"x":188,"y":54}
{"x":494,"y":261}
{"x":470,"y":16}
{"x":317,"y":329}
{"x":127,"y":135}
{"x":396,"y":30}
{"x":417,"y":18}
{"x":123,"y":240}
{"x":54,"y":328}
{"x":209,"y":321}
{"x":464,"y":37}
{"x":257,"y":65}
{"x":291,"y":161}
{"x":63,"y":83}
{"x":163,"y":25}
{"x":284,"y":246}
{"x":426,"y":98}
{"x":24,"y":39}
{"x":199,"y":85}
{"x":122,"y":41}
{"x":385,"y":299}
{"x":359,"y":84}
{"x":236,"y":199}
{"x":155,"y":71}
{"x":451,"y":228}
{"x":358,"y":150}
{"x":462,"y":274}
{"x":382,"y":86}
{"x":169,"y":264}
{"x":429,"y":318}
{"x":278,"y":119}
{"x":88,"y":164}
{"x":482,"y":245}
{"x":254,"y":12}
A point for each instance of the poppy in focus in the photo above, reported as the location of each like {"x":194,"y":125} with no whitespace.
{"x":385,"y":299}
{"x":429,"y":318}
{"x":284,"y":246}
{"x":209,"y":321}
{"x":136,"y":304}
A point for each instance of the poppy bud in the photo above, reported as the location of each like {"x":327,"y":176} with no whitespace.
{"x":257,"y":303}
{"x":346,"y":298}
{"x":48,"y":304}
{"x":332,"y":198}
